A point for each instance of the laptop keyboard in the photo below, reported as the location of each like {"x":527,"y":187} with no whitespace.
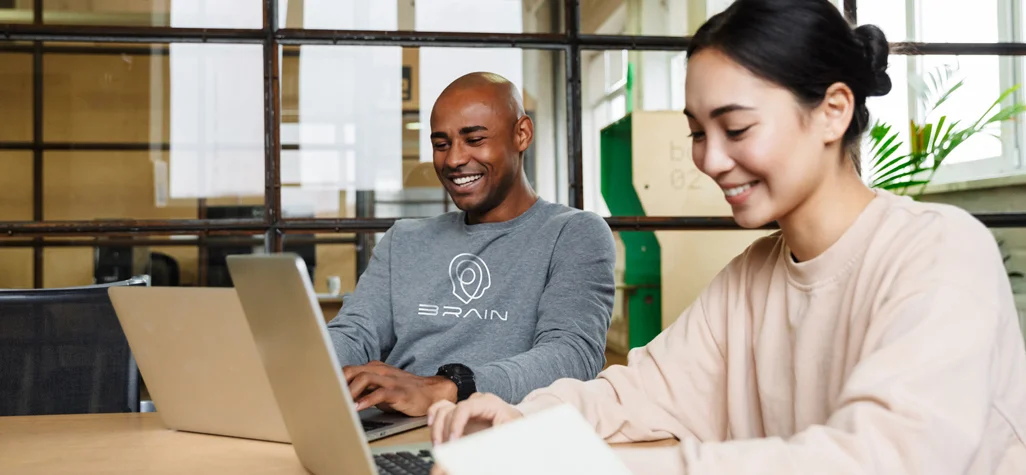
{"x":404,"y":463}
{"x":372,"y":425}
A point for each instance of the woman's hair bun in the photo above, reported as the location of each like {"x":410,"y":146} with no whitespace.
{"x":876,"y":50}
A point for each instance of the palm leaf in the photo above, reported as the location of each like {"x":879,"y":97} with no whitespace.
{"x":999,"y":100}
{"x":940,"y":127}
{"x":900,"y":176}
{"x":898,"y":164}
{"x":907,"y":184}
{"x":944,"y":97}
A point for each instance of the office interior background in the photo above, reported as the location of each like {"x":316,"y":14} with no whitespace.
{"x":158,"y":136}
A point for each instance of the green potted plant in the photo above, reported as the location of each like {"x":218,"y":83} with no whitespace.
{"x":907,"y":171}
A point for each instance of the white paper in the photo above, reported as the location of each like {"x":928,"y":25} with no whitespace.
{"x":554,"y":441}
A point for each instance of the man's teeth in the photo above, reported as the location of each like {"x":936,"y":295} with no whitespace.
{"x":463,"y":180}
{"x":737,"y":190}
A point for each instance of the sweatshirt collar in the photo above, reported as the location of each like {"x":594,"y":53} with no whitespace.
{"x":832,"y":263}
{"x":461,"y":218}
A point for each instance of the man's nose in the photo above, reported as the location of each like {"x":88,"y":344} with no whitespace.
{"x":457,"y":157}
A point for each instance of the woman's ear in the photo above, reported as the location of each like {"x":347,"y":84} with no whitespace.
{"x":836,"y":110}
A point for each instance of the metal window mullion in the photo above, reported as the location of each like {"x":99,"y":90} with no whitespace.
{"x":1008,"y":75}
{"x":914,"y":62}
{"x":851,"y":11}
{"x":373,"y":225}
{"x":37,"y":149}
{"x":575,"y":153}
{"x":1015,"y":11}
{"x":272,"y":130}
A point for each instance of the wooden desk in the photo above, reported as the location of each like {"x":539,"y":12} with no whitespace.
{"x":139,"y":443}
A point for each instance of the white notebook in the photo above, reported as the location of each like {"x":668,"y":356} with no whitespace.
{"x":554,"y":441}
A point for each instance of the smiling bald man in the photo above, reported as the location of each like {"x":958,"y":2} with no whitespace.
{"x":506,"y":295}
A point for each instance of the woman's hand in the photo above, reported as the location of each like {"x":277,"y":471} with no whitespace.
{"x":480,"y":411}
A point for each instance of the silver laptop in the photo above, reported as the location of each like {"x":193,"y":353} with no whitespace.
{"x":304,"y":372}
{"x":201,"y":367}
{"x":198,"y":361}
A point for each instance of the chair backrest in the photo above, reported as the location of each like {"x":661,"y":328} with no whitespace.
{"x":164,"y":270}
{"x":62,"y":351}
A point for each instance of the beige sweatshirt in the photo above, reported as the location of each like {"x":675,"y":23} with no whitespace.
{"x":896,"y":351}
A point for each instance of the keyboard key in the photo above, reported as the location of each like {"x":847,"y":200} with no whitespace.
{"x":402,"y":463}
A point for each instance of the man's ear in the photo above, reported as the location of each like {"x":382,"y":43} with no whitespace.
{"x":837,"y":110}
{"x":523,"y":133}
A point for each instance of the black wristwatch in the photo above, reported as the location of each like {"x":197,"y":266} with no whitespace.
{"x":462,"y":377}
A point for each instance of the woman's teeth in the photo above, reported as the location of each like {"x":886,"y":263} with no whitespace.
{"x":463,"y":180}
{"x":737,"y":190}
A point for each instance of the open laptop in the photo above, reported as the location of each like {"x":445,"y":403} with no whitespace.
{"x":197,"y":356}
{"x":305,"y":375}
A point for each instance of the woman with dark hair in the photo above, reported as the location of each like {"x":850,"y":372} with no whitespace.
{"x":871,"y":334}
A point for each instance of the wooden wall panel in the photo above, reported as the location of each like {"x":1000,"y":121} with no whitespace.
{"x":15,"y":186}
{"x":105,"y":185}
{"x":104,"y":98}
{"x":335,"y":260}
{"x":109,"y":6}
{"x":15,"y":268}
{"x":16,"y":97}
{"x":67,"y":266}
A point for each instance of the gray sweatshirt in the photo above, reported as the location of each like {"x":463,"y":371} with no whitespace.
{"x":522,"y":303}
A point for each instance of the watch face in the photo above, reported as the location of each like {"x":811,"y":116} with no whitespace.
{"x":462,"y":376}
{"x":456,"y":370}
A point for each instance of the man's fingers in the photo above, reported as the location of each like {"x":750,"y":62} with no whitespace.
{"x":365,"y":381}
{"x":374,"y":367}
{"x":376,"y":397}
{"x":349,"y":372}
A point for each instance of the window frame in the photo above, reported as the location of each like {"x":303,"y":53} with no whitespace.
{"x":1012,"y":160}
{"x":37,"y":38}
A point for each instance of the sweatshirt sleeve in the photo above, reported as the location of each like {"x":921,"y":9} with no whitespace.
{"x":674,"y":387}
{"x":574,"y":313}
{"x":362,"y":331}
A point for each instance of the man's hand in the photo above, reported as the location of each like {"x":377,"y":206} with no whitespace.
{"x":392,"y":389}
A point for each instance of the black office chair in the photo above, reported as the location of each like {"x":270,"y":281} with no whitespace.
{"x":163,"y":270}
{"x":62,"y":351}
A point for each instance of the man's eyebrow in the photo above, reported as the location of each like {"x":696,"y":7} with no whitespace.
{"x":473,"y":128}
{"x":439,"y":135}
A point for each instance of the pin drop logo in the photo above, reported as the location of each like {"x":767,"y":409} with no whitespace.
{"x":470,"y":277}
